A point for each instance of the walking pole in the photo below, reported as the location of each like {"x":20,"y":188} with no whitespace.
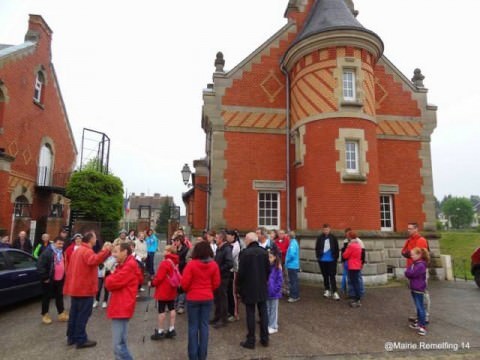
{"x":145,"y":317}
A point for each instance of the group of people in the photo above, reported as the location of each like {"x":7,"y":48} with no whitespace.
{"x":216,"y":272}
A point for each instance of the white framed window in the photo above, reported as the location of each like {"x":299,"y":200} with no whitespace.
{"x":351,"y":156}
{"x":349,"y":93}
{"x":45,"y":166}
{"x":39,"y":81}
{"x":386,"y":213}
{"x":269,"y":209}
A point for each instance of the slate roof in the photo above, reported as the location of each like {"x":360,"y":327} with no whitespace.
{"x":328,"y":15}
{"x":155,"y":202}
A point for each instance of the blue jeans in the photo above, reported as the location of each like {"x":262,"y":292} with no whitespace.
{"x":119,"y":336}
{"x":198,"y":313}
{"x":420,"y":306}
{"x":150,"y":263}
{"x":354,"y":277}
{"x":80,"y":311}
{"x":293,"y":279}
{"x":272,"y":310}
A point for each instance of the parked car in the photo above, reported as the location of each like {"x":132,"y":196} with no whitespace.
{"x":19,"y":279}
{"x":476,"y":266}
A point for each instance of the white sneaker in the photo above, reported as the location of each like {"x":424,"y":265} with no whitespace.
{"x":272,"y":330}
{"x":142,"y":289}
{"x":326,"y":293}
{"x":336,"y":296}
{"x":95,"y":304}
{"x":104,"y":305}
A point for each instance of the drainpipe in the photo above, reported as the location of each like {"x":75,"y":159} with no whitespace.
{"x":287,"y":140}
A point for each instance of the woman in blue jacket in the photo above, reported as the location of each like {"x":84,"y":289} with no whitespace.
{"x":152,"y":246}
{"x":292,"y":263}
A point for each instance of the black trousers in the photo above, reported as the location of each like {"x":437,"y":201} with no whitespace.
{"x":105,"y":291}
{"x":52,"y":289}
{"x":221,"y":300}
{"x":329,"y":270}
{"x":262,"y":310}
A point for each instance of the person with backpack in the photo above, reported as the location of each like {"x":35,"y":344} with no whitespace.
{"x":166,"y":282}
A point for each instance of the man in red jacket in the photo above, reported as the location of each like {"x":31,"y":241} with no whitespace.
{"x":123,"y":286}
{"x":81,"y":283}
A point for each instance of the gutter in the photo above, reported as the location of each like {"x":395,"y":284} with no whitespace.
{"x":287,"y":139}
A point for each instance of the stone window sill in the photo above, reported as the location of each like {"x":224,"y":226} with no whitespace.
{"x":354,"y":177}
{"x":354,"y":104}
{"x":39,"y":104}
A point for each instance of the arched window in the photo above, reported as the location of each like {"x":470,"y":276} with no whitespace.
{"x":39,"y":87}
{"x":21,"y":207}
{"x":45,"y":166}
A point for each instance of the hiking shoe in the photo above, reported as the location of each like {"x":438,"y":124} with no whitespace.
{"x":95,"y":304}
{"x":171,"y":334}
{"x":414,"y":325}
{"x":87,"y":344}
{"x":157,"y":335}
{"x":272,"y":330}
{"x":326,"y":294}
{"x":63,"y":317}
{"x":336,"y":296}
{"x":422,"y":331}
{"x":355,"y":304}
{"x":46,"y":319}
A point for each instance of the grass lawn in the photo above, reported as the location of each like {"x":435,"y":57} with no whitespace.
{"x":461,"y":246}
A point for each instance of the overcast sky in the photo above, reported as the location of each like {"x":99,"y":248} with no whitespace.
{"x":136,"y":69}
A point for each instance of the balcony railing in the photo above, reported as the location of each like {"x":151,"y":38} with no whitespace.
{"x":58,"y":180}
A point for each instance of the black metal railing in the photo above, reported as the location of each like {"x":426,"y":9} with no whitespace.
{"x":46,"y":179}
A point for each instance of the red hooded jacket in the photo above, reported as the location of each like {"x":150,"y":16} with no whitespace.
{"x":81,"y":278}
{"x":200,"y":278}
{"x":353,"y":254}
{"x":164,"y":291}
{"x":123,"y":287}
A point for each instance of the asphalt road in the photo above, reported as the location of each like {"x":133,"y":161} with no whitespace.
{"x":313,"y":328}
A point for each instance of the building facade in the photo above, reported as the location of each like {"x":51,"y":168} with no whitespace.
{"x":143,"y":211}
{"x":318,"y":126}
{"x":37,"y":147}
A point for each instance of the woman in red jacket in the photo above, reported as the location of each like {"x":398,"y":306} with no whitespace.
{"x":123,"y":285}
{"x":200,"y":278}
{"x":353,"y":254}
{"x":165,"y":293}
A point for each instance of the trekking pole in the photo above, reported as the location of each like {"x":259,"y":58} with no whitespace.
{"x":145,"y":317}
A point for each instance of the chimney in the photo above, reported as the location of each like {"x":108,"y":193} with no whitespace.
{"x":142,"y":194}
{"x":156,"y":195}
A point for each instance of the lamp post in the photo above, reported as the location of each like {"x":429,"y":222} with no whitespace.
{"x":186,"y":173}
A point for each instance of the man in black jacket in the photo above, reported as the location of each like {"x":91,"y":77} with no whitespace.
{"x":51,"y":268}
{"x":326,"y":249}
{"x":224,"y":259}
{"x":22,"y":242}
{"x":253,"y":272}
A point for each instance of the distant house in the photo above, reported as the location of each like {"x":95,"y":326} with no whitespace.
{"x":37,"y":147}
{"x":144,"y":210}
{"x":476,"y":214}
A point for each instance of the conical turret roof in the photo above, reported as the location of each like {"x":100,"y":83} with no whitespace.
{"x":329,"y":15}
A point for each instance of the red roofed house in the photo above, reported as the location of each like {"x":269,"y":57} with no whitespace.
{"x":37,"y":148}
{"x":318,"y":126}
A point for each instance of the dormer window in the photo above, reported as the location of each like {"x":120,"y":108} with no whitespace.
{"x":39,"y":87}
{"x":349,"y":93}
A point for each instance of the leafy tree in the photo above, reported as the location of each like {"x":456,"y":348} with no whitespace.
{"x":163,"y":217}
{"x":438,"y":208}
{"x":99,"y":197}
{"x":459,"y":211}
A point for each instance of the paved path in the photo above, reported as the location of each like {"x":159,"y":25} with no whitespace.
{"x":313,"y":328}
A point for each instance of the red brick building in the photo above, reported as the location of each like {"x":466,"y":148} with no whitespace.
{"x":317,"y":126}
{"x":37,"y":148}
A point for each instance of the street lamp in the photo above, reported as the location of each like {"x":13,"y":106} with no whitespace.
{"x":186,"y":173}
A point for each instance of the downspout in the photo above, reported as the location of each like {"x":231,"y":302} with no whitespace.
{"x":287,"y":139}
